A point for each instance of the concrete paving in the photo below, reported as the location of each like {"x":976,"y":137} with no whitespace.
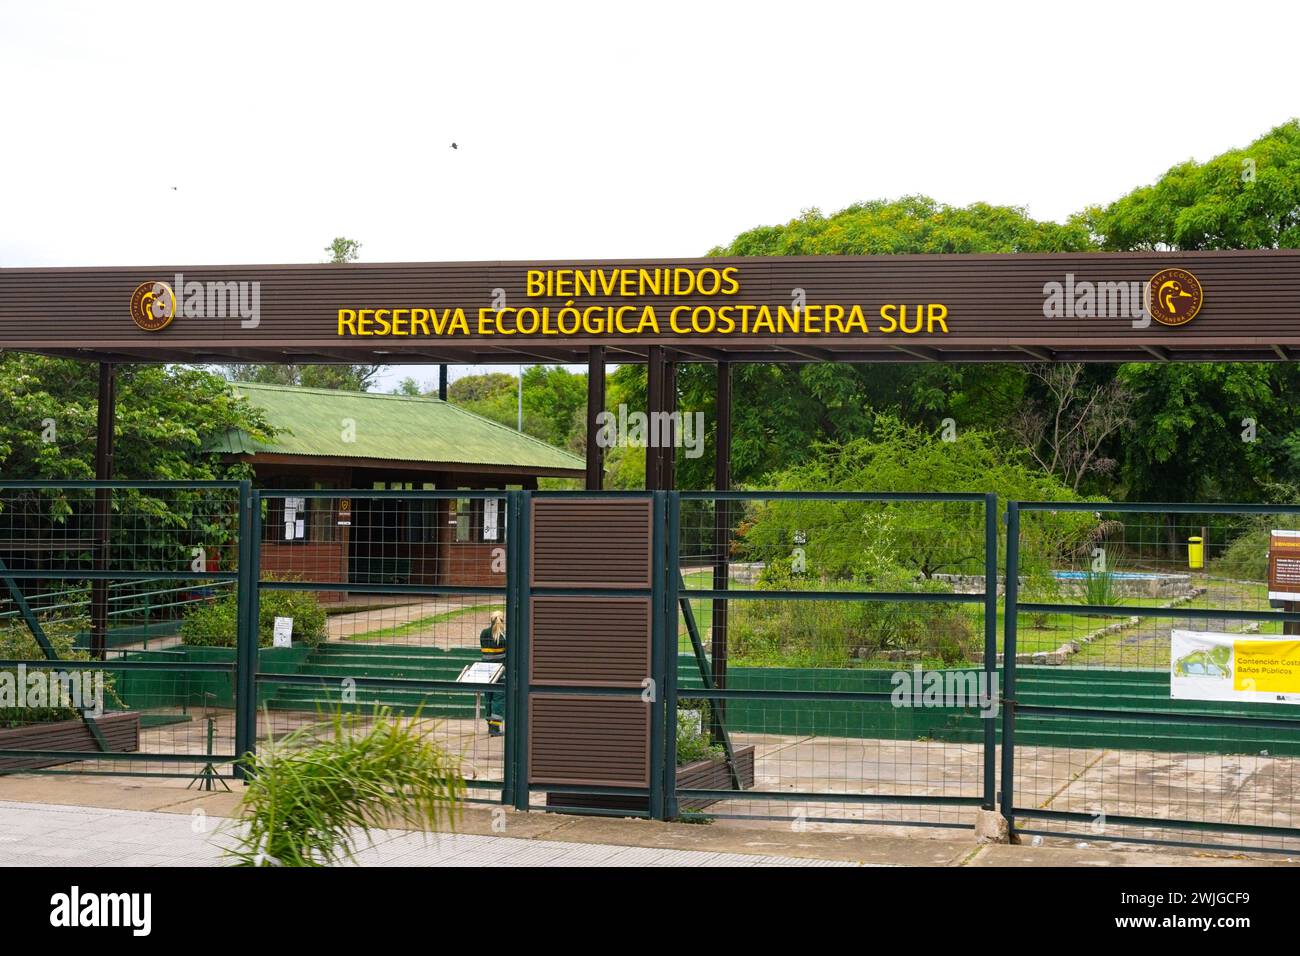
{"x":45,"y":835}
{"x":117,"y":821}
{"x":1104,"y":784}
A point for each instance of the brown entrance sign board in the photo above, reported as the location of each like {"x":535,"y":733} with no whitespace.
{"x":1284,"y":566}
{"x":1105,"y":307}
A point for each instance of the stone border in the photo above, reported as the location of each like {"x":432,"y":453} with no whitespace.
{"x":1070,"y":648}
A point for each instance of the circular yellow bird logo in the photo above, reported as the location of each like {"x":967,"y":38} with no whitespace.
{"x":1174,"y":296}
{"x":153,"y":306}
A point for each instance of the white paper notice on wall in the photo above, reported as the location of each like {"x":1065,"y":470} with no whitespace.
{"x":282,"y":634}
{"x":490,"y":519}
{"x":294,"y":527}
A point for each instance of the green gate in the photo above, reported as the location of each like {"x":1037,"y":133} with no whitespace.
{"x":815,"y":658}
{"x":727,"y":654}
{"x":1108,"y":738}
{"x":97,"y":577}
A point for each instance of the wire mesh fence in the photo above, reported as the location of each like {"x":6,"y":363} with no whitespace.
{"x":97,"y":581}
{"x":1151,"y":673}
{"x":827,"y":658}
{"x":392,"y":595}
{"x":835,"y":657}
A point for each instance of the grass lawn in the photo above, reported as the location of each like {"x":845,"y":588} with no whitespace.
{"x":1146,"y":645}
{"x":423,"y":623}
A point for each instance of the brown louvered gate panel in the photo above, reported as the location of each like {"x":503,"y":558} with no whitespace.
{"x":600,"y":642}
{"x":591,"y":741}
{"x":597,"y":543}
{"x":591,"y":542}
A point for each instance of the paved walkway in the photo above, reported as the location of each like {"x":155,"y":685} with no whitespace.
{"x":33,"y":834}
{"x":107,"y":821}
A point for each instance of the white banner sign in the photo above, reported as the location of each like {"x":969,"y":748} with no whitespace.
{"x":1205,"y":665}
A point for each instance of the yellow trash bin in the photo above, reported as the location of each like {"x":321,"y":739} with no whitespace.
{"x":1195,"y":553}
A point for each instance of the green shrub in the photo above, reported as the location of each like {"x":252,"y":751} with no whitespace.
{"x":843,"y":539}
{"x":314,"y":794}
{"x":18,"y":643}
{"x":778,"y":633}
{"x":303,"y":606}
{"x":693,"y":740}
{"x":1040,"y":586}
{"x":211,"y":623}
{"x":1246,"y":556}
{"x":216,"y":623}
{"x":1101,"y":587}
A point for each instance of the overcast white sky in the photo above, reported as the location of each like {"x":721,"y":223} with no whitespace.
{"x":590,"y":130}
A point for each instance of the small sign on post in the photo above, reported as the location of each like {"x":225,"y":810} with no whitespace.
{"x":1284,"y":566}
{"x":481,"y":672}
{"x":282,"y":634}
{"x":345,"y":513}
{"x":1284,"y":574}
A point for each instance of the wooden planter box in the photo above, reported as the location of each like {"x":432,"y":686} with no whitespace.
{"x":121,"y":731}
{"x":714,"y":775}
{"x":701,"y":775}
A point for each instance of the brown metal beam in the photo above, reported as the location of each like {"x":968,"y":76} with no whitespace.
{"x":917,"y":351}
{"x":808,"y":352}
{"x":670,"y":433}
{"x":721,"y":541}
{"x":106,"y":413}
{"x":702,"y":353}
{"x":595,"y":405}
{"x":661,"y":387}
{"x":1043,"y":355}
{"x":535,"y":356}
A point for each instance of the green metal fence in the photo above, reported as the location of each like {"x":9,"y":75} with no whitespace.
{"x":794,"y":641}
{"x":389,"y":641}
{"x":93,"y":574}
{"x":805,"y":620}
{"x":1103,"y":740}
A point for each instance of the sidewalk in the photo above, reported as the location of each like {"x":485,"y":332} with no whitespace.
{"x":69,"y":821}
{"x":42,"y":835}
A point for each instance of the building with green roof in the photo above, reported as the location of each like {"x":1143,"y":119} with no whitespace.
{"x":327,"y":438}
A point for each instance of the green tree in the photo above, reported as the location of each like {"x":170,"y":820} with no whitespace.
{"x":781,"y":411}
{"x":166,"y":415}
{"x":1191,"y":418}
{"x":470,"y":389}
{"x":555,"y":402}
{"x":408,"y":386}
{"x":1245,"y":198}
{"x":844,"y":540}
{"x":912,"y":224}
{"x":342,"y":249}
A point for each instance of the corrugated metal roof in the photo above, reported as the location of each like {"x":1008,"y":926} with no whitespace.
{"x":314,"y":421}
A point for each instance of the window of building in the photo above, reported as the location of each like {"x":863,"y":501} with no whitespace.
{"x":479,"y":520}
{"x":296,"y":519}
